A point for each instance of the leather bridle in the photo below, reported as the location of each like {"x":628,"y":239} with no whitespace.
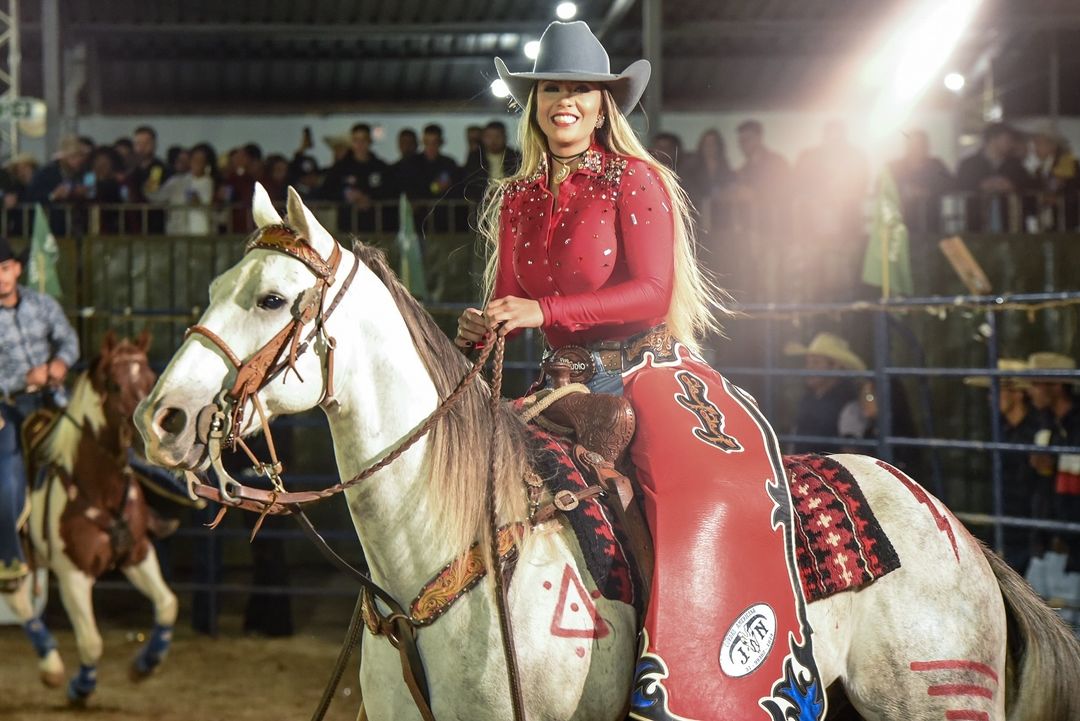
{"x":277,"y":355}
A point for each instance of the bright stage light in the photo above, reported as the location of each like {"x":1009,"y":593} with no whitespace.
{"x":499,"y":89}
{"x":912,"y":58}
{"x":566,"y":11}
{"x":954,"y":82}
{"x":532,"y":49}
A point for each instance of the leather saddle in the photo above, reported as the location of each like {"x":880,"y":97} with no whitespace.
{"x":599,"y":427}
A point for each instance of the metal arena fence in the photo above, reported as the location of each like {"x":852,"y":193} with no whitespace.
{"x":128,"y":282}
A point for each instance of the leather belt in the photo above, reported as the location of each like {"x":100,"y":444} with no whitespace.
{"x":614,"y":356}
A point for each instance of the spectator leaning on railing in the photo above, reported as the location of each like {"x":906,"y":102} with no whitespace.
{"x":61,"y":182}
{"x":190,"y":195}
{"x":1060,"y":426}
{"x":356,"y":181}
{"x":997,"y":182}
{"x":1057,"y":178}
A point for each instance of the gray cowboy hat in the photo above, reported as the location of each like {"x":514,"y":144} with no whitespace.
{"x":570,"y":51}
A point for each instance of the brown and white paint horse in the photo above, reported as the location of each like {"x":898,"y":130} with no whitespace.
{"x":951,"y":634}
{"x":88,"y":515}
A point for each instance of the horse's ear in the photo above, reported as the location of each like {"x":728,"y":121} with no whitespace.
{"x":143,"y":341}
{"x":108,"y":343}
{"x":305,"y":223}
{"x":262,"y":208}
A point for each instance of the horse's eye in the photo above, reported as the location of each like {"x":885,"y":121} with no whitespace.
{"x":270,"y":301}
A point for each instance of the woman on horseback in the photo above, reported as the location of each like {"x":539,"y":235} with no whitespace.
{"x":593,"y":244}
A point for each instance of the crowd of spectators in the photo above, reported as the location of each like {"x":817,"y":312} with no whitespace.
{"x":767,"y":212}
{"x":832,"y":179}
{"x":760,"y":216}
{"x":203,"y":192}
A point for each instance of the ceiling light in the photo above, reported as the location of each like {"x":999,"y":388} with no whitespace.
{"x":566,"y":11}
{"x":499,"y":89}
{"x":532,"y":49}
{"x":954,"y":82}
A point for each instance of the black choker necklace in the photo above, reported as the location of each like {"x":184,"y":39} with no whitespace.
{"x":564,"y":162}
{"x":569,"y":158}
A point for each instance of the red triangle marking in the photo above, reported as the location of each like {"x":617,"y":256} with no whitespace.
{"x":597,"y":628}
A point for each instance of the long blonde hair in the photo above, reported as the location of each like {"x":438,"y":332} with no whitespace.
{"x":696,"y":300}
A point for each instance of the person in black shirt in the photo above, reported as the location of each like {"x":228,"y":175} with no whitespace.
{"x":357,"y":182}
{"x":1060,"y":426}
{"x":144,"y":180}
{"x":430,"y":174}
{"x":407,"y":147}
{"x":493,"y":160}
{"x":825,"y":398}
{"x":996,"y":180}
{"x":60,"y":185}
{"x":1024,"y":493}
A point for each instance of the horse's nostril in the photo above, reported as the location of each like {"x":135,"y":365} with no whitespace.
{"x":172,"y":421}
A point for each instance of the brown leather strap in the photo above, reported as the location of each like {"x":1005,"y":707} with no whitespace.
{"x":216,"y":340}
{"x":566,"y":501}
{"x":397,"y":626}
{"x":283,"y":239}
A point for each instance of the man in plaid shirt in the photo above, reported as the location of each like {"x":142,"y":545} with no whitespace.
{"x":37,"y":346}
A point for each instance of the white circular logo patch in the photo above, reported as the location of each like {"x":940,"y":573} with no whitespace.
{"x":748,"y":641}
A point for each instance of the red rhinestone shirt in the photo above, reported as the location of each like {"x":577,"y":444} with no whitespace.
{"x":599,"y":259}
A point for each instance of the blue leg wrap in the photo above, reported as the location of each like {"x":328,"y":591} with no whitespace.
{"x":39,"y":636}
{"x":153,"y":652}
{"x":83,"y":683}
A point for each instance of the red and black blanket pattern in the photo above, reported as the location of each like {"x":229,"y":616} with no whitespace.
{"x":601,"y":539}
{"x":839,"y":544}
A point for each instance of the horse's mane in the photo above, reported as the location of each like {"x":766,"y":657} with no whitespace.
{"x":460,"y":443}
{"x":84,"y":410}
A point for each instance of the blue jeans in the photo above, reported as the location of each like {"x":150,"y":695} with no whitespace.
{"x":13,"y":483}
{"x":603,"y":380}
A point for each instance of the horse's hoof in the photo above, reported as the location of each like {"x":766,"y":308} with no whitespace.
{"x":51,"y":670}
{"x":52,"y":679}
{"x":138,"y":671}
{"x":81,"y":686}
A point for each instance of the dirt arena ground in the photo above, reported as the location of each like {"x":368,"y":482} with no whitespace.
{"x":228,"y":678}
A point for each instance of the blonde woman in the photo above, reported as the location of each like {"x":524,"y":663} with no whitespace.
{"x":593,"y":244}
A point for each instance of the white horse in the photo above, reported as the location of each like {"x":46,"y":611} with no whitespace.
{"x":88,"y":515}
{"x":928,"y":641}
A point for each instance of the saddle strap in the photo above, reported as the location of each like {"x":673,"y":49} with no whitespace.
{"x":603,"y":473}
{"x":353,"y":638}
{"x":397,"y":627}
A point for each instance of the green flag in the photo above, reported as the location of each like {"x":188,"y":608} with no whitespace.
{"x":412,"y":260}
{"x":888,"y":261}
{"x":41,"y":272}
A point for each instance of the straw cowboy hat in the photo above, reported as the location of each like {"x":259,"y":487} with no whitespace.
{"x":1004,"y":364}
{"x":828,"y":345}
{"x":570,"y":51}
{"x":1048,"y":361}
{"x":69,"y":145}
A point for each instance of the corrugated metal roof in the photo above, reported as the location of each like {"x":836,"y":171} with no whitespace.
{"x":252,"y":55}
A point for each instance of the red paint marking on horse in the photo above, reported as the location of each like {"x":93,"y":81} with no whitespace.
{"x":580,"y":652}
{"x":597,"y":628}
{"x":960,"y":689}
{"x":595,"y":593}
{"x":967,"y":714}
{"x":955,"y":665}
{"x":920,"y":495}
{"x":547,"y":585}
